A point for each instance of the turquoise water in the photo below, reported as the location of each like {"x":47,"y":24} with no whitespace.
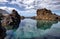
{"x":30,"y":28}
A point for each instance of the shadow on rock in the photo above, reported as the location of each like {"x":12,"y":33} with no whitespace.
{"x":16,"y":19}
{"x":2,"y":32}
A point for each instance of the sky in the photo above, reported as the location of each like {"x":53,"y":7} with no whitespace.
{"x":29,"y":7}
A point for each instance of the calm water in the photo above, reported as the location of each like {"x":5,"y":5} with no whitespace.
{"x":35,"y":29}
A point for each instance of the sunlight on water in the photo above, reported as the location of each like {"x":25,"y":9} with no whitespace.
{"x":30,"y":28}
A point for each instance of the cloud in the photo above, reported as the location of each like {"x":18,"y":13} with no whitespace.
{"x":35,"y":4}
{"x":29,"y":12}
{"x":8,"y":9}
{"x":31,"y":5}
{"x":3,"y":1}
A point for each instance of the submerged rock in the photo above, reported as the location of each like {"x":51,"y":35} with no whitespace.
{"x":44,"y":14}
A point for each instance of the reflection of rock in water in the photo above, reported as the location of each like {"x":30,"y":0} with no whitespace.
{"x":2,"y":31}
{"x":45,"y":24}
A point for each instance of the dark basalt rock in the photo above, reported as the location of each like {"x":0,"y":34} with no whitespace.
{"x":0,"y":16}
{"x":2,"y":31}
{"x":16,"y":18}
{"x":45,"y":14}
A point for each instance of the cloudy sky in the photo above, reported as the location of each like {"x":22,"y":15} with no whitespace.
{"x":29,"y":7}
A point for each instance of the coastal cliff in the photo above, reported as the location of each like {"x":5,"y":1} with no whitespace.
{"x":45,"y":14}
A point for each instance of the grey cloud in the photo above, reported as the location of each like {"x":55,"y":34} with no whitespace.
{"x":49,"y":4}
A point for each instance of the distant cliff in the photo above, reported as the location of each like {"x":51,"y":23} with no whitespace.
{"x":45,"y":14}
{"x":3,"y":11}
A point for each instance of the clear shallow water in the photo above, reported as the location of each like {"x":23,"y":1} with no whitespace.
{"x":37,"y":29}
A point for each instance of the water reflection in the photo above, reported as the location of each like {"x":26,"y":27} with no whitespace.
{"x":44,"y":24}
{"x":35,"y":29}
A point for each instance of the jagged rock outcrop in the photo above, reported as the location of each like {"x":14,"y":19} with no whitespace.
{"x":44,"y":14}
{"x":12,"y":19}
{"x":16,"y":18}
